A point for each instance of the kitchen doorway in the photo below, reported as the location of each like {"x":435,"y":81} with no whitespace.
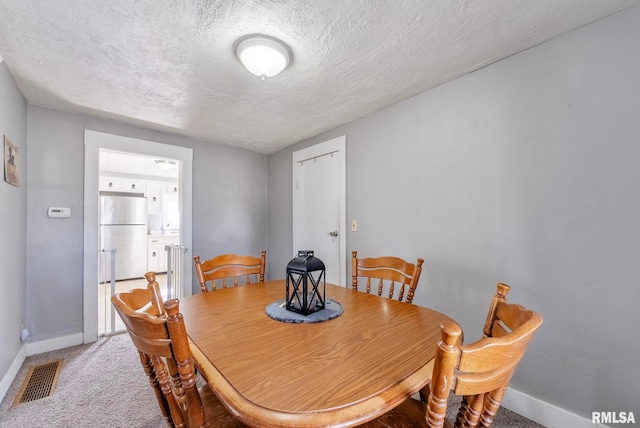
{"x":97,"y":181}
{"x":108,"y":321}
{"x":139,"y":216}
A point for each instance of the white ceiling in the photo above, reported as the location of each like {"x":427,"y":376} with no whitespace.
{"x":169,"y":65}
{"x":127,"y":163}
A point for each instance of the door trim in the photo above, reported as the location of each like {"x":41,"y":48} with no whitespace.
{"x":337,"y":146}
{"x":93,"y":142}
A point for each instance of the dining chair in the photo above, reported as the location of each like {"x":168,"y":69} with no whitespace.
{"x":157,"y":330}
{"x":387,"y":271}
{"x":229,"y":267}
{"x":479,"y":372}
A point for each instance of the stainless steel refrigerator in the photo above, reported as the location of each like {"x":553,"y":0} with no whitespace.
{"x":123,"y":227}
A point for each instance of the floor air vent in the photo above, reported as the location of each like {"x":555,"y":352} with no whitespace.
{"x":40,"y":382}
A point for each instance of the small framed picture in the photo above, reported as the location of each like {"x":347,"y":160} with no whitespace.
{"x":11,"y":173}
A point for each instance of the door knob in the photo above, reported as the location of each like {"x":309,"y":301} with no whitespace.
{"x":334,"y":233}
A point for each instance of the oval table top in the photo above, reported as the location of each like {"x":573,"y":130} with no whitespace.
{"x":340,"y":372}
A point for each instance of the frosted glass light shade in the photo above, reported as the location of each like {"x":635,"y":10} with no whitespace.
{"x":165,"y":164}
{"x":263,"y":56}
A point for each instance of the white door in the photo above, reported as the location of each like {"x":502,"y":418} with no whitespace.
{"x":319,"y":205}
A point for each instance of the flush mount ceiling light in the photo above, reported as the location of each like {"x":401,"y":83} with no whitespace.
{"x":263,"y":56}
{"x":165,"y":164}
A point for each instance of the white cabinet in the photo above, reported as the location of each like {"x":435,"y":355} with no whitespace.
{"x":158,"y":193}
{"x":110,"y":184}
{"x":156,"y":253}
{"x":172,"y":188}
{"x":119,"y":184}
{"x":133,"y":185}
{"x":155,"y":190}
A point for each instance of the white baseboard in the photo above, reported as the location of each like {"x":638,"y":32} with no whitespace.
{"x":11,"y":374}
{"x":35,"y":348}
{"x":544,"y":413}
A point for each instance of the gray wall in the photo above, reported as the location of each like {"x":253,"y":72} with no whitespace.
{"x":13,"y":215}
{"x":229,"y":201}
{"x":525,"y":172}
{"x":229,"y":209}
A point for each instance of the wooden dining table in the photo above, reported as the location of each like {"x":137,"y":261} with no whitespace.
{"x":337,"y":373}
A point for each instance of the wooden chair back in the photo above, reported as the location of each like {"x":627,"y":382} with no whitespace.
{"x":158,"y":332}
{"x":229,"y":267}
{"x":148,"y":300}
{"x":387,"y":271}
{"x":480,"y":371}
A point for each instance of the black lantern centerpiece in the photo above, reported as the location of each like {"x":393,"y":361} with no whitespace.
{"x":306,"y":284}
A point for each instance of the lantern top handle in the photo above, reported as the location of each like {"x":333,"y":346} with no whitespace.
{"x":305,"y":253}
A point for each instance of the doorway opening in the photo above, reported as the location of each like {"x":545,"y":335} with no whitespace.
{"x":97,"y":143}
{"x":139,"y":215}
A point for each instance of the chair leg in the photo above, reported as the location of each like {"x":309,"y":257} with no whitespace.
{"x":491,"y":405}
{"x":436,"y":411}
{"x":470,"y":410}
{"x":153,"y":381}
{"x":167,"y":389}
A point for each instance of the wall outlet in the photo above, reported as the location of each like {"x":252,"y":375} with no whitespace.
{"x":24,"y":332}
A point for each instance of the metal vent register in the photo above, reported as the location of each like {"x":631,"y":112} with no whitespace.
{"x":39,"y":383}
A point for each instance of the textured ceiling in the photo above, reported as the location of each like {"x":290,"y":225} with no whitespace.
{"x":169,"y":64}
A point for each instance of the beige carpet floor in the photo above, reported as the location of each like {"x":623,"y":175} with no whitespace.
{"x":100,"y":385}
{"x":103,"y":385}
